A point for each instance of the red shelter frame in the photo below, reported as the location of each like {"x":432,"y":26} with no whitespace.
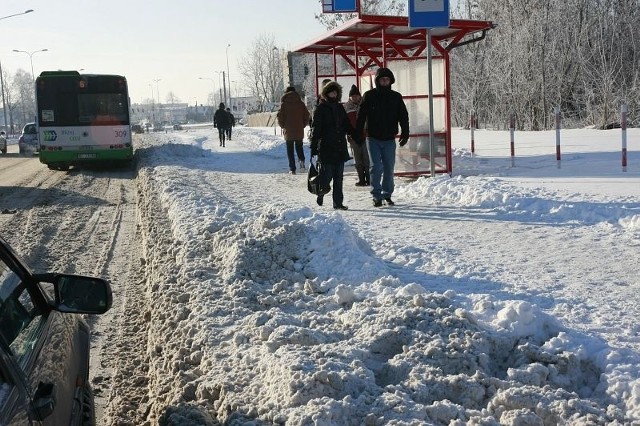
{"x":368,"y":42}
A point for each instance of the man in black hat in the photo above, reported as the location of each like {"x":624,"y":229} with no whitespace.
{"x":381,"y":110}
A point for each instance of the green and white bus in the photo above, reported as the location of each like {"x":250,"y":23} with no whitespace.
{"x":82,"y":118}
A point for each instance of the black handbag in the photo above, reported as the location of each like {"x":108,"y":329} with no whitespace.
{"x":313,"y":179}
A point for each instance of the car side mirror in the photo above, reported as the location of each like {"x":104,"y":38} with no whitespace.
{"x":79,"y":294}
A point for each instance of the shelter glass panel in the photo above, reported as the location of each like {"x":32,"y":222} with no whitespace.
{"x":412,"y":76}
{"x":414,"y":158}
{"x":419,"y":115}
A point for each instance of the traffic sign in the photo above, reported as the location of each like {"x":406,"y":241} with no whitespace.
{"x":428,"y":13}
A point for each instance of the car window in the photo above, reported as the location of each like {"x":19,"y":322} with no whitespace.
{"x":18,"y":314}
{"x":30,"y":129}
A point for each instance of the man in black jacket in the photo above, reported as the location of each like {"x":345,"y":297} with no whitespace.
{"x":221,"y":121}
{"x":381,"y":110}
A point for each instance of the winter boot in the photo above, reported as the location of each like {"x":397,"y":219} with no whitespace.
{"x":361,"y":180}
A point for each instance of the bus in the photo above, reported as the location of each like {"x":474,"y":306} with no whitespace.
{"x":82,"y":118}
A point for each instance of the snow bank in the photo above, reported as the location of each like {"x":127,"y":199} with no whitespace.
{"x":284,"y":315}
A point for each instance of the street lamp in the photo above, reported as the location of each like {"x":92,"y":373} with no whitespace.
{"x":223,"y":87}
{"x":159,"y":102}
{"x":33,"y":77}
{"x":17,"y":14}
{"x":228,"y":74}
{"x":157,"y":89}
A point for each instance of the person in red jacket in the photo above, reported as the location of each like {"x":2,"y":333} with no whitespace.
{"x":293,"y":117}
{"x":381,"y":110}
{"x":360,"y":154}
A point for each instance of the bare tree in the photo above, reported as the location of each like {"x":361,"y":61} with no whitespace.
{"x":580,"y":55}
{"x":369,"y":7}
{"x":262,"y":69}
{"x":172,"y":98}
{"x":21,"y":98}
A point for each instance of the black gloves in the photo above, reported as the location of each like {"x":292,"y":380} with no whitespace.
{"x":403,"y":140}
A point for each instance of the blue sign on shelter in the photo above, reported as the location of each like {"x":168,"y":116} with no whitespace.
{"x":428,"y":13}
{"x":339,"y":6}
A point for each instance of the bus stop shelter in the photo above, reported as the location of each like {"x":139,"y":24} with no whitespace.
{"x":351,"y":54}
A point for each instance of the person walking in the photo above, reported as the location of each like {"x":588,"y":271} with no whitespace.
{"x":329,"y":142}
{"x":381,"y":110}
{"x":360,"y":154}
{"x":232,"y":123}
{"x":293,"y":117}
{"x":221,"y":121}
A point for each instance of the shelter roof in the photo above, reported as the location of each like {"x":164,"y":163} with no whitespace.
{"x":367,"y":32}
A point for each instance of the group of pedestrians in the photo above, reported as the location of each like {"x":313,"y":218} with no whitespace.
{"x":369,"y":123}
{"x":224,"y":121}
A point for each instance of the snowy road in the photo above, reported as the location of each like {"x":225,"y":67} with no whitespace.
{"x":77,"y":222}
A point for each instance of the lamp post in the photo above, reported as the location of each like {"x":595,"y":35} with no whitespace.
{"x":223,"y":87}
{"x":228,"y":74}
{"x":158,"y":93}
{"x":4,"y":104}
{"x":33,"y":77}
{"x":17,"y":14}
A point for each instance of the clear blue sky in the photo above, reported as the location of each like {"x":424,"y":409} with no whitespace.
{"x":175,"y":41}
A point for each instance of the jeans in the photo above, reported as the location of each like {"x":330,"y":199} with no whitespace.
{"x":329,"y":172}
{"x":299,"y":151}
{"x":383,"y":160}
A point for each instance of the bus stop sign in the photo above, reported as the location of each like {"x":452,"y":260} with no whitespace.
{"x":428,"y":13}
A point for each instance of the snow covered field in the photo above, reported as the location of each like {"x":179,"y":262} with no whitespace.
{"x":500,"y":295}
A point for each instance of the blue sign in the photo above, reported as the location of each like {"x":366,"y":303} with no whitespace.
{"x":339,"y":6}
{"x":428,"y":13}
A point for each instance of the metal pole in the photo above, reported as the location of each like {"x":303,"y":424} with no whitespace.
{"x":432,"y":150}
{"x":512,"y":130}
{"x":153,"y":106}
{"x":623,"y":126}
{"x":473,"y":125}
{"x":4,"y":104}
{"x":558,"y":124}
{"x":224,"y":87}
{"x":228,"y":74}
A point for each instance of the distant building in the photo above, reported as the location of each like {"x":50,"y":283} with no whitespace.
{"x":159,"y":113}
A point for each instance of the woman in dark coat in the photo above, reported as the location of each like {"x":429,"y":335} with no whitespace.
{"x":329,"y":141}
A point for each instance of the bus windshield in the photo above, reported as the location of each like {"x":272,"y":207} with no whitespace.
{"x":81,"y":100}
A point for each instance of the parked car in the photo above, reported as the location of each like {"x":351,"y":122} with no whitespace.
{"x":137,"y":128}
{"x":28,"y":141}
{"x":44,"y":347}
